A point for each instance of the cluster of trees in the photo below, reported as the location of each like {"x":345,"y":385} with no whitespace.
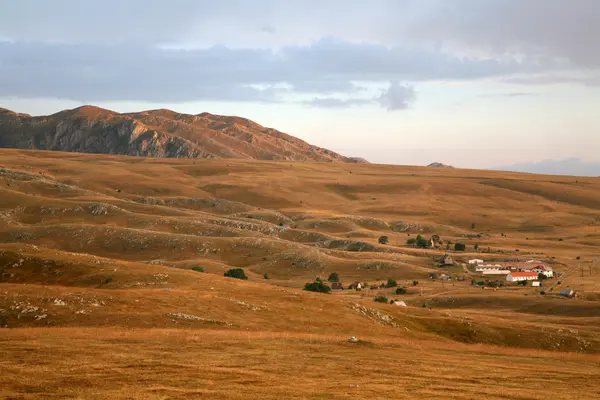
{"x":419,"y":241}
{"x":317,"y":286}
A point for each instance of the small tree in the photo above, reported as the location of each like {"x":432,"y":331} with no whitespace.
{"x":317,"y":286}
{"x":391,"y":283}
{"x":383,"y":240}
{"x":333,"y":277}
{"x":541,"y":276}
{"x":415,"y":283}
{"x":411,"y":242}
{"x":266,"y":276}
{"x":198,"y":268}
{"x":422,"y":242}
{"x":236,"y":273}
{"x":460,"y":247}
{"x":473,"y":225}
{"x":381,"y":299}
{"x":476,"y":247}
{"x":400,"y":290}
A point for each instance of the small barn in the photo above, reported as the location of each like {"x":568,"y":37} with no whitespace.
{"x":337,"y":286}
{"x":355,"y":285}
{"x":447,"y":260}
{"x":399,"y":303}
{"x":536,"y":284}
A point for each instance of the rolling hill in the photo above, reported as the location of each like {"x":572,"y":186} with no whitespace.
{"x":156,"y":133}
{"x":99,"y":297}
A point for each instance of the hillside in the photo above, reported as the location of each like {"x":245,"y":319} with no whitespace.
{"x":156,"y":133}
{"x":97,"y":285}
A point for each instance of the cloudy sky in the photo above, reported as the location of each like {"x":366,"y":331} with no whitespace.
{"x":466,"y":82}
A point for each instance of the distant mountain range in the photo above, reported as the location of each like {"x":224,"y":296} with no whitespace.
{"x":156,"y":133}
{"x":569,"y":166}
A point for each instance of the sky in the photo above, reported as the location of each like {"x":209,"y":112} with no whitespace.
{"x":474,"y":84}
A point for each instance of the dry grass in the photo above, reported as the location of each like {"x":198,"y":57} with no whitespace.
{"x":96,"y":281}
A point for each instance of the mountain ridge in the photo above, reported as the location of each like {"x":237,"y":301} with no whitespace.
{"x":157,"y":133}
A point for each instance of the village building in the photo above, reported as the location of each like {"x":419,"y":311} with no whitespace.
{"x":476,"y":261}
{"x":496,"y":272}
{"x":489,"y":267}
{"x":536,"y":284}
{"x":521,"y":276}
{"x":356,"y":285}
{"x":540,"y":269}
{"x":568,"y":293}
{"x":337,"y":286}
{"x":447,"y":260}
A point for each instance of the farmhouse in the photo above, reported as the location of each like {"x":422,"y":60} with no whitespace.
{"x":540,"y":269}
{"x":521,"y":276}
{"x":356,"y":285}
{"x":447,"y":260}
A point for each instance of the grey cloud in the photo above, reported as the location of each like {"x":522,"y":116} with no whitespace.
{"x":132,"y":72}
{"x":550,"y":28}
{"x":397,"y":97}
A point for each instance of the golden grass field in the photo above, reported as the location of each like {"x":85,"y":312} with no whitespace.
{"x":98,"y":299}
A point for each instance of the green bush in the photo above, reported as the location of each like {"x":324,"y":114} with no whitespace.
{"x":318,"y":287}
{"x":381,"y":299}
{"x":415,"y":283}
{"x":422,"y":242}
{"x":391,"y":283}
{"x":541,"y":276}
{"x":460,"y":247}
{"x":333,"y":277}
{"x":542,"y":293}
{"x":401,"y":290}
{"x":266,"y":276}
{"x":237,"y":273}
{"x":411,"y":242}
{"x":383,"y":240}
{"x":198,"y":268}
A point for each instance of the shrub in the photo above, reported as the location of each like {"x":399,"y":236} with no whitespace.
{"x":383,"y":240}
{"x":542,"y":293}
{"x":542,"y":276}
{"x":522,"y":283}
{"x":381,"y":299}
{"x":266,"y":276}
{"x":415,"y":283}
{"x":422,"y":242}
{"x":237,"y":273}
{"x":401,"y":290}
{"x":318,"y":287}
{"x":198,"y":268}
{"x":460,"y":247}
{"x":411,"y":242}
{"x":391,"y":283}
{"x":476,"y":247}
{"x":473,"y":225}
{"x":333,"y":277}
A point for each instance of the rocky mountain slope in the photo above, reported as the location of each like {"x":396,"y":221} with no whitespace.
{"x":156,"y":133}
{"x":439,"y":165}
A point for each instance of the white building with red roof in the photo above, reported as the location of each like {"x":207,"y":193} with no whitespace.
{"x":521,"y":276}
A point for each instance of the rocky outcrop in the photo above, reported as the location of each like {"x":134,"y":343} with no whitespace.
{"x":439,"y":165}
{"x":156,"y":133}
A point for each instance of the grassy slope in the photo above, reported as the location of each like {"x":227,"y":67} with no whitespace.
{"x":113,"y":238}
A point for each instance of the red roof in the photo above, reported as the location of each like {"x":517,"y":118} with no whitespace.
{"x":523,"y":274}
